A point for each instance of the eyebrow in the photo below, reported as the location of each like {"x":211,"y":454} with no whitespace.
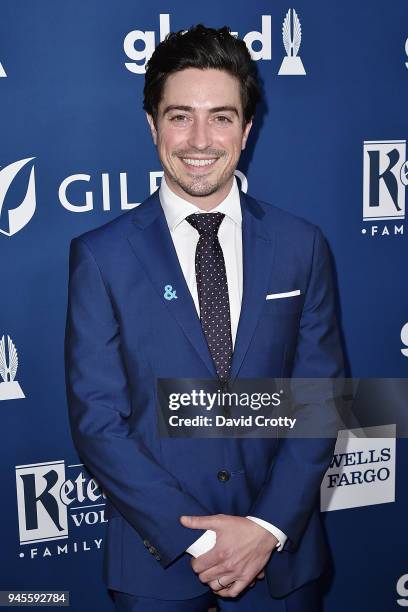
{"x":190,"y":109}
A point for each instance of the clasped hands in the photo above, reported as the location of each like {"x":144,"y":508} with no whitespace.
{"x":241,"y":552}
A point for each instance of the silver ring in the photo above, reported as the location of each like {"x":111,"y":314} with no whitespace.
{"x":225,"y":586}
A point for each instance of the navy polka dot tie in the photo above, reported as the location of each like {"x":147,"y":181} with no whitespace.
{"x":212,"y":290}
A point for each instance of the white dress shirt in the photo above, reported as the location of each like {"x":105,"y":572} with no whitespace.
{"x":185,"y":238}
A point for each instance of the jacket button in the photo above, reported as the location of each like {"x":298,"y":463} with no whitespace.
{"x":223,"y":475}
{"x":152,"y":550}
{"x":146,"y":543}
{"x":157,"y":557}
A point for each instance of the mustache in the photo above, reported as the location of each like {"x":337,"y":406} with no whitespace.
{"x":208,"y":152}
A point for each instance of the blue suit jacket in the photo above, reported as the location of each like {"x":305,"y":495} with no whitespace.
{"x":122,"y":334}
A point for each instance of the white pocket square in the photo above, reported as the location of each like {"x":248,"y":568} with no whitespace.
{"x":277,"y":296}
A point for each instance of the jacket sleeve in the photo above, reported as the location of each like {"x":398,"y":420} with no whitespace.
{"x":291,"y":490}
{"x":147,"y":496}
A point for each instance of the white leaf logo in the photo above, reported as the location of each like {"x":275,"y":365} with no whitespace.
{"x":17,"y":217}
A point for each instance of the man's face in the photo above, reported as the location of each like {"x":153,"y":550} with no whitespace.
{"x":199,"y":133}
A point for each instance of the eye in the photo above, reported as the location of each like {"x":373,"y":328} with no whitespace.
{"x":178,"y":118}
{"x":223,"y":119}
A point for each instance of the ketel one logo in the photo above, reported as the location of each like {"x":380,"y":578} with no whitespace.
{"x":14,"y":219}
{"x":9,"y":387}
{"x":292,"y":37}
{"x":384,"y":181}
{"x":44,"y":495}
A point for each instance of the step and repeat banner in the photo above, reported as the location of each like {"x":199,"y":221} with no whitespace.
{"x":75,"y":152}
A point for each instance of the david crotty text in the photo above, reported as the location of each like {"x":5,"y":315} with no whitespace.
{"x":222,"y":421}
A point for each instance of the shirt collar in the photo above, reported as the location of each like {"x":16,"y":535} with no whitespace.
{"x":176,"y":209}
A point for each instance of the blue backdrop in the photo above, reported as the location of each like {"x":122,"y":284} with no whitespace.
{"x":328,"y":145}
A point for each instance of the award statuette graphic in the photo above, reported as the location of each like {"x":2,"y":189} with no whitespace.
{"x":292,"y":64}
{"x":9,"y":388}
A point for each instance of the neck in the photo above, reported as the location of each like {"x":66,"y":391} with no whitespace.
{"x":206,"y":203}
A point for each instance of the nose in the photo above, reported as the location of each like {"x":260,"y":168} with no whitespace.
{"x":199,"y":135}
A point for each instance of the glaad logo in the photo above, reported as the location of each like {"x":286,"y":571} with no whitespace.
{"x":140,"y":57}
{"x":148,"y":39}
{"x":404,"y":340}
{"x":17,"y":217}
{"x":43,"y":499}
{"x":9,"y":388}
{"x":385,"y":176}
{"x":292,"y":64}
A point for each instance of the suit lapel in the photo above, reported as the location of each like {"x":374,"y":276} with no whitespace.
{"x":153,"y":246}
{"x":258,"y":248}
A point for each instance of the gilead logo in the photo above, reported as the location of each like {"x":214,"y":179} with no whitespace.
{"x":139,"y":45}
{"x":18,"y":217}
{"x":91,"y":192}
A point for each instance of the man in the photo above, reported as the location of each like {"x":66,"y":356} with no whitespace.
{"x":176,"y":288}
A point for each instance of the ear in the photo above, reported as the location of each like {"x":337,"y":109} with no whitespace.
{"x":153,"y":129}
{"x":245,"y":134}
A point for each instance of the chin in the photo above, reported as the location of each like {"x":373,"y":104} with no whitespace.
{"x":199,"y":190}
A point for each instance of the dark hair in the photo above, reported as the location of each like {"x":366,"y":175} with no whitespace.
{"x":201,"y":47}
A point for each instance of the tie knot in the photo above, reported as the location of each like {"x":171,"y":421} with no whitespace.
{"x":206,"y":223}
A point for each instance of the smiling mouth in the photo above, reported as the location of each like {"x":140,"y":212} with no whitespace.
{"x":199,"y":163}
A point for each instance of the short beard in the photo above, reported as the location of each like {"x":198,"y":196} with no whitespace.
{"x":198,"y":188}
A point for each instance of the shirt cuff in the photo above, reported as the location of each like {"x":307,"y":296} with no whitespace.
{"x":203,"y":544}
{"x":281,"y":537}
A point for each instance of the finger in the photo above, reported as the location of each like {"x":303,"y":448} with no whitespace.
{"x":209,"y":561}
{"x":215,"y":585}
{"x":213,"y":570}
{"x":200,"y":522}
{"x":234,"y":590}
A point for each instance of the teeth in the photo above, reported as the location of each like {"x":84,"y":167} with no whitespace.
{"x":199,"y":162}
